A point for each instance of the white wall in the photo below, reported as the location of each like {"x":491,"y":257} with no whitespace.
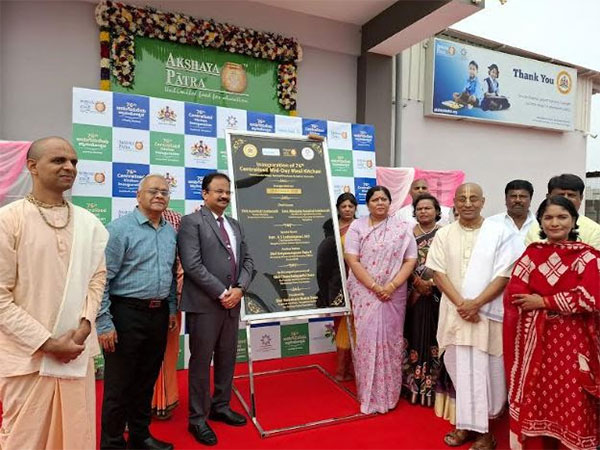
{"x":46,"y":48}
{"x":593,"y":149}
{"x":490,"y":155}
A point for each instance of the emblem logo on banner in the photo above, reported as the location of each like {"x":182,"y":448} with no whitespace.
{"x":564,"y":82}
{"x":250,"y":150}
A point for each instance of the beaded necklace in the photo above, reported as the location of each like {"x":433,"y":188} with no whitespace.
{"x":39,"y":205}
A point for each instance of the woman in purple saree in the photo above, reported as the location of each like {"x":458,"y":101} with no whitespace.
{"x":381,"y":252}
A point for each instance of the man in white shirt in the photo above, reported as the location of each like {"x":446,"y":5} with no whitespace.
{"x":419,"y":187}
{"x":517,"y":218}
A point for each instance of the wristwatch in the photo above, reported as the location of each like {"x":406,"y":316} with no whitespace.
{"x":240,"y":287}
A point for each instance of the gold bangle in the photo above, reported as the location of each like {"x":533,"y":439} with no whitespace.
{"x":373,"y":285}
{"x":393,"y":285}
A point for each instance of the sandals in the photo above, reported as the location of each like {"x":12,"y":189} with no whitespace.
{"x":485,"y":441}
{"x":456,"y":438}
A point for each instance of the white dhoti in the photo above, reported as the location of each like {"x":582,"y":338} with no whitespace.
{"x":480,"y":386}
{"x":48,"y":413}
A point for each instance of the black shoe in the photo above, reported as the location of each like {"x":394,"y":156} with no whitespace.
{"x":228,"y":416}
{"x":203,"y":433}
{"x":149,"y":443}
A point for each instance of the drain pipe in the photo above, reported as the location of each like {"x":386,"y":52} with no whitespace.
{"x":396,"y":151}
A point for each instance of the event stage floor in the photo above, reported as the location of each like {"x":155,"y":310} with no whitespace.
{"x":406,"y":427}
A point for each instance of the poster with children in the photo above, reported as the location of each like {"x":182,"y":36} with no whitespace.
{"x":476,"y":83}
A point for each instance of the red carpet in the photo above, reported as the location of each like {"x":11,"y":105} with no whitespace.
{"x":282,"y":400}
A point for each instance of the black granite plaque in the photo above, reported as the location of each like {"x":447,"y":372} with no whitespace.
{"x":282,"y":201}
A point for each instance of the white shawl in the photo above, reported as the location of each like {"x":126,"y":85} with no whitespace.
{"x":494,"y":252}
{"x":89,"y":242}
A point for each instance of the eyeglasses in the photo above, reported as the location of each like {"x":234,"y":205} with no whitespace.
{"x":154,"y":192}
{"x":219,"y":191}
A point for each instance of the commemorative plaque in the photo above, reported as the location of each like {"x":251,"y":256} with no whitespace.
{"x":282,"y":199}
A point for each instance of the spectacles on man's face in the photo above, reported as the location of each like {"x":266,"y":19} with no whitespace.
{"x":219,"y":191}
{"x":154,"y":192}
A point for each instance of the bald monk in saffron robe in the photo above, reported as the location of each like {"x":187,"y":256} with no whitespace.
{"x":52,"y":275}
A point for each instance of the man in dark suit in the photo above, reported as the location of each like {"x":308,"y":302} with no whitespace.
{"x":218,"y":270}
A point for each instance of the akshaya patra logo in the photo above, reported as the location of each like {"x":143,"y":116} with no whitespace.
{"x":99,"y":177}
{"x":564,"y":83}
{"x":250,"y":150}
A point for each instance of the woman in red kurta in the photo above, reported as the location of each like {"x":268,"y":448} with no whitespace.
{"x":551,"y":337}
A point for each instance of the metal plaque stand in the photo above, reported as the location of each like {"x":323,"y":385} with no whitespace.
{"x":251,"y":408}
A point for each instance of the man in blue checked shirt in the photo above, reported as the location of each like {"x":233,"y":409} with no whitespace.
{"x":137,"y":309}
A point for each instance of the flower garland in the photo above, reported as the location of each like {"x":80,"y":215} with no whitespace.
{"x":120,"y":23}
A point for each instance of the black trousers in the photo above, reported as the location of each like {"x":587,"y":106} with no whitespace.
{"x":215,"y":335}
{"x":131,"y":371}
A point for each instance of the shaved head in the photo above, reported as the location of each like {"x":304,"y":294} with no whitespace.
{"x":469,"y":201}
{"x":422,"y":181}
{"x":470,"y":187}
{"x":52,"y":162}
{"x":39,"y":146}
{"x":418,"y":187}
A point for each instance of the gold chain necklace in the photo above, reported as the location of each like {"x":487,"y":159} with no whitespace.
{"x":39,"y":205}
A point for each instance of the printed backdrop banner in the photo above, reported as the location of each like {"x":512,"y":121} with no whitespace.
{"x":475,"y":83}
{"x":122,"y":137}
{"x":203,"y":75}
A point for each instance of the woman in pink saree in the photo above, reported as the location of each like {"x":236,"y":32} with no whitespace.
{"x":381,"y":252}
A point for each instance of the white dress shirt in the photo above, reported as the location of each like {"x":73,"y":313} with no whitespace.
{"x":508,"y":222}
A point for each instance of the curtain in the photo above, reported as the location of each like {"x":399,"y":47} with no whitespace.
{"x":442,"y":184}
{"x":13,"y":155}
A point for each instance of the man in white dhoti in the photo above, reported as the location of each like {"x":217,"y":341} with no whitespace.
{"x":52,"y":278}
{"x":407,"y":213}
{"x":472,"y":259}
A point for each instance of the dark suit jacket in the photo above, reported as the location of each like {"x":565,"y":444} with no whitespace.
{"x":204,"y":257}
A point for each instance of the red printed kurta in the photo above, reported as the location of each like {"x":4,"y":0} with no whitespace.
{"x":552,"y":355}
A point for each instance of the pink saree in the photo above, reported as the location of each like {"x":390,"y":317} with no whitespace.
{"x":379,"y":325}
